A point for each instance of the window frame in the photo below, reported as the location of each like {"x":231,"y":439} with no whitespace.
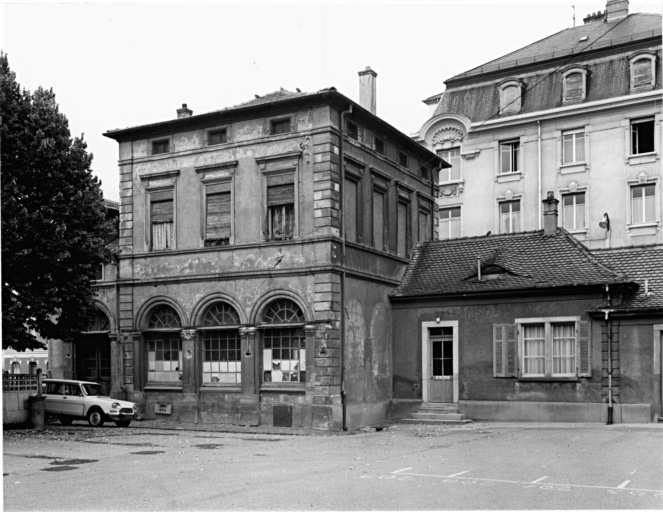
{"x":404,"y":198}
{"x":585,"y":208}
{"x":380,"y":186}
{"x":425,"y":209}
{"x":635,"y":123}
{"x":161,"y":140}
{"x":217,"y":129}
{"x":355,"y":173}
{"x":576,"y":144}
{"x":448,"y":221}
{"x":511,"y":201}
{"x":514,"y":147}
{"x":280,"y":121}
{"x":403,"y":159}
{"x":510,"y":105}
{"x":352,"y":130}
{"x":643,"y":55}
{"x":204,"y":332}
{"x":566,"y":73}
{"x":280,"y":169}
{"x":645,"y":221}
{"x":449,"y":170}
{"x":152,"y":197}
{"x":149,"y":334}
{"x":383,"y":143}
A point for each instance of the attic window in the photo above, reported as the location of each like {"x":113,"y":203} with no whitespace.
{"x":642,"y":70}
{"x":574,"y":84}
{"x":280,"y":126}
{"x":511,"y":96}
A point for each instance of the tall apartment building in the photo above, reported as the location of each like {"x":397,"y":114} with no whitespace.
{"x":258,"y":244}
{"x":578,"y":113}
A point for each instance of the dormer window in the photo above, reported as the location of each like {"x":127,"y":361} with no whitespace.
{"x":511,"y":92}
{"x":643,"y":65}
{"x":574,"y":84}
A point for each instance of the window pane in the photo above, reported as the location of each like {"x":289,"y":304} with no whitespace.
{"x":402,"y":229}
{"x":505,"y":158}
{"x":350,"y":197}
{"x":378,"y":220}
{"x":564,"y":349}
{"x":534,"y":350}
{"x":580,"y":147}
{"x":164,"y":354}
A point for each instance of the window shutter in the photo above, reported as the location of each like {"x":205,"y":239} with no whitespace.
{"x":218,"y":215}
{"x":573,"y":86}
{"x":162,"y":211}
{"x":642,"y":73}
{"x":584,"y":353}
{"x":280,"y":194}
{"x":499,"y":351}
{"x":511,"y":353}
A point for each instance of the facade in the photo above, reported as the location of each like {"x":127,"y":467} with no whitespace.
{"x":530,"y":326}
{"x":578,"y":113}
{"x":254,"y":268}
{"x":25,"y":363}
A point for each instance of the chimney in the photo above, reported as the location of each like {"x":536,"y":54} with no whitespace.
{"x":367,"y":89}
{"x":184,"y":112}
{"x":616,"y":9}
{"x":592,"y":18}
{"x":550,"y":214}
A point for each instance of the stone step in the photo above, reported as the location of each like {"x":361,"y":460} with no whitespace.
{"x":434,"y":422}
{"x":439,"y":407}
{"x":438,"y":416}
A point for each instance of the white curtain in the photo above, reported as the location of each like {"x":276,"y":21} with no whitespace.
{"x":534,"y":347}
{"x":162,"y":235}
{"x":564,"y":349}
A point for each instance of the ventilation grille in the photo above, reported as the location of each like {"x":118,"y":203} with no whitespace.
{"x":282,"y":415}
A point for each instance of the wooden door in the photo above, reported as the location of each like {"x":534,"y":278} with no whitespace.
{"x":93,"y":360}
{"x":441,"y":370}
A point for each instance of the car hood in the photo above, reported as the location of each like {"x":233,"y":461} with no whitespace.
{"x":109,"y":400}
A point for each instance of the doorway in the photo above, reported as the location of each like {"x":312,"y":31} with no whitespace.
{"x":440,"y":361}
{"x":93,"y":360}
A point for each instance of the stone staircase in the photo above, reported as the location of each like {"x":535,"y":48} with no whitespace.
{"x":437,"y":413}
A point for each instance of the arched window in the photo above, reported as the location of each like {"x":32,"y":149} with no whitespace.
{"x":222,"y":347}
{"x":284,"y":344}
{"x":574,"y":84}
{"x":164,"y":345}
{"x":511,"y":91}
{"x":100,"y":322}
{"x":16,"y":367}
{"x":642,"y":70}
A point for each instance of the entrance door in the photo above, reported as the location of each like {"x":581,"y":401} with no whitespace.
{"x":441,"y":364}
{"x":93,"y":360}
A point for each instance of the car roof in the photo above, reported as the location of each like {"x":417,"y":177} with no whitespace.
{"x":70,"y":381}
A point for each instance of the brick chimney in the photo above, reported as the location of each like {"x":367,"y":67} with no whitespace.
{"x":550,"y":214}
{"x":367,"y":89}
{"x":616,"y":9}
{"x":184,"y":112}
{"x":593,"y":18}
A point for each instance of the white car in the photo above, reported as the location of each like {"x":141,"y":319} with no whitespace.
{"x":78,"y":399}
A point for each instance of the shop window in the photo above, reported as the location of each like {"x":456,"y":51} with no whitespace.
{"x":451,"y":156}
{"x":449,"y":223}
{"x":284,"y":343}
{"x":642,"y":136}
{"x":573,"y":216}
{"x":222,"y":354}
{"x":510,"y":216}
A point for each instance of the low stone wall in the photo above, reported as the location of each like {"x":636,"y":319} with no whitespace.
{"x":16,"y":391}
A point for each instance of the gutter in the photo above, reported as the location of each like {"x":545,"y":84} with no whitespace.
{"x":609,"y":327}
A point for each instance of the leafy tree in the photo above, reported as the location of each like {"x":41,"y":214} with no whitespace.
{"x":54,"y":229}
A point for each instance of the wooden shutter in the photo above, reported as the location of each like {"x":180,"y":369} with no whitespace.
{"x":499,"y":351}
{"x":218,"y":215}
{"x":511,"y":350}
{"x":573,"y":86}
{"x":642,"y":74}
{"x":584,"y":352}
{"x":280,"y":194}
{"x":162,"y":207}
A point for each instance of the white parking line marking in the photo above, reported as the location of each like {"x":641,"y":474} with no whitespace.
{"x":458,"y":474}
{"x":539,"y":480}
{"x":623,"y":484}
{"x":400,"y":470}
{"x":632,"y":472}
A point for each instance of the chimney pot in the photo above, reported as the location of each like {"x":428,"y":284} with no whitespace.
{"x":367,"y":93}
{"x":550,"y":214}
{"x":184,"y":112}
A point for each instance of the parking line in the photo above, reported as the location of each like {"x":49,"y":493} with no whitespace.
{"x":458,"y":474}
{"x":400,"y":470}
{"x":539,"y":480}
{"x":623,"y":484}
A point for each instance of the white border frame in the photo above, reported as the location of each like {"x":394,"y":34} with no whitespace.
{"x":425,"y":357}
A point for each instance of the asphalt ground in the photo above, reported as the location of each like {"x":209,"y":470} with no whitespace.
{"x":156,"y":465}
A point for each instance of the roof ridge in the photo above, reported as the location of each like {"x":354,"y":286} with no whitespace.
{"x":588,"y":254}
{"x":626,"y":248}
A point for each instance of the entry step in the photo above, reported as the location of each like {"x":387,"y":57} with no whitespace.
{"x":438,"y":416}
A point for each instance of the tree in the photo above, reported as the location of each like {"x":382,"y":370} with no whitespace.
{"x":54,"y":230}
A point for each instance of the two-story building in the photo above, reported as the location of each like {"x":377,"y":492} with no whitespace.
{"x":258,"y":245}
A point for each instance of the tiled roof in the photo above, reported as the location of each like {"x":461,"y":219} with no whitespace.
{"x":639,"y":264}
{"x":567,"y":42}
{"x":529,"y":260}
{"x":274,"y":96}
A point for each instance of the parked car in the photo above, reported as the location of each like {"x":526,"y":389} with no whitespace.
{"x":79,"y":399}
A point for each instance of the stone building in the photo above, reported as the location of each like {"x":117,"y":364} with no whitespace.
{"x":254,"y":268}
{"x":578,"y":113}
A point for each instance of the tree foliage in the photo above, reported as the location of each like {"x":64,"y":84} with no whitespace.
{"x":54,"y":228}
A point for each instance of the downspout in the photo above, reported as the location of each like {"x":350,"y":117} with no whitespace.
{"x":341,"y":156}
{"x":609,"y":327}
{"x":540,"y":192}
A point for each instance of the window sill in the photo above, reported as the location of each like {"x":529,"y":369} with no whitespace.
{"x":509,"y":176}
{"x":573,"y":168}
{"x":212,"y":388}
{"x":295,"y":387}
{"x":548,"y":379}
{"x":642,"y":158}
{"x":162,"y":387}
{"x":646,"y":228}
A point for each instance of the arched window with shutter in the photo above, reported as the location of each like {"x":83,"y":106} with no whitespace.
{"x":511,"y":91}
{"x":574,"y":84}
{"x":643,"y":65}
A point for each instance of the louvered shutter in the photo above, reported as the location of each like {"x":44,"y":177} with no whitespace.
{"x":573,"y":86}
{"x":280,"y":194}
{"x":218,"y":216}
{"x":499,"y":351}
{"x":584,"y":352}
{"x":511,"y":351}
{"x":642,"y":74}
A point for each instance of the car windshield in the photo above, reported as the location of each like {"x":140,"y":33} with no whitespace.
{"x":92,"y":389}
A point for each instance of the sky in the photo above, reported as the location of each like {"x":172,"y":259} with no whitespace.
{"x":114,"y":65}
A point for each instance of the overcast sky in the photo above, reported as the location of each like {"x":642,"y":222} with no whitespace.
{"x":114,"y":65}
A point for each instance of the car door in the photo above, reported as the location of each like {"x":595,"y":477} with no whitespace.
{"x":53,"y":396}
{"x":72,"y":401}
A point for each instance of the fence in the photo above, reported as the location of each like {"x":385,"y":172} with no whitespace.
{"x":16,"y":389}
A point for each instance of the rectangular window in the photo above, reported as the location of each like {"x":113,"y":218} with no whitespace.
{"x":164,"y":357}
{"x":643,"y":203}
{"x":378,"y":219}
{"x":160,"y":146}
{"x":99,"y":272}
{"x":403,"y":229}
{"x":280,"y":126}
{"x":642,"y":136}
{"x":574,"y":211}
{"x":549,"y":349}
{"x":642,"y":72}
{"x":162,"y":220}
{"x":218,"y":217}
{"x":351,"y":209}
{"x":451,"y":156}
{"x":284,"y":355}
{"x":573,"y":86}
{"x":449,"y":223}
{"x":424,"y":225}
{"x":424,"y":172}
{"x":573,"y":146}
{"x":352,"y":130}
{"x":563,"y":349}
{"x":217,"y":137}
{"x":510,"y":216}
{"x":379,"y":146}
{"x":402,"y":159}
{"x":222,"y":357}
{"x":534,"y":350}
{"x":509,"y":156}
{"x":281,"y":212}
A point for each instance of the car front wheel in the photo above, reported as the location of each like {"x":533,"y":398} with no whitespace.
{"x":95,"y":418}
{"x":123,"y":424}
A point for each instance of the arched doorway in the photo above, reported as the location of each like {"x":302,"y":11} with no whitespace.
{"x":93,"y":353}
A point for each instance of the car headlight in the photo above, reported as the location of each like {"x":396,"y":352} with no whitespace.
{"x":115,"y":405}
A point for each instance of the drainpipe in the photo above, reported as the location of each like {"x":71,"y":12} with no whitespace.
{"x":538,"y":123}
{"x":607,"y":320}
{"x":342,"y":215}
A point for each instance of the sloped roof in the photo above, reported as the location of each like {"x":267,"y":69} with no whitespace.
{"x":528,"y":260}
{"x":281,"y":94}
{"x":567,"y":42}
{"x":639,"y":264}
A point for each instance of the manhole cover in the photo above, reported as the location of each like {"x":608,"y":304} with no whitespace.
{"x":69,"y":462}
{"x":60,"y":468}
{"x":147,"y":452}
{"x":208,"y":446}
